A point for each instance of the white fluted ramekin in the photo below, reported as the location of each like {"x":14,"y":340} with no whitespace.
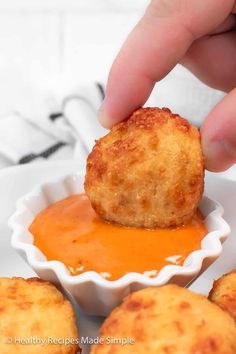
{"x":94,"y":294}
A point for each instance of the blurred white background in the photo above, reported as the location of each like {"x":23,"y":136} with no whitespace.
{"x":48,"y":43}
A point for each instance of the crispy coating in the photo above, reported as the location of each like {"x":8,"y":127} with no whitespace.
{"x":223,"y":293}
{"x":148,"y":171}
{"x":30,"y":309}
{"x":168,"y":320}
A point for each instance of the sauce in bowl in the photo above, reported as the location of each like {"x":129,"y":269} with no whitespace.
{"x":71,"y":232}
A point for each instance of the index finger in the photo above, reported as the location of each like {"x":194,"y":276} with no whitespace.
{"x":153,"y":48}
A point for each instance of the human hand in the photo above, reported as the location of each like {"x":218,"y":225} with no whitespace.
{"x":200,"y":34}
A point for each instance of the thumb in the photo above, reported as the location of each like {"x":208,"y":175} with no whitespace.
{"x":219,"y":135}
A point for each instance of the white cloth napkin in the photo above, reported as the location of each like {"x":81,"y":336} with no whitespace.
{"x":64,"y":126}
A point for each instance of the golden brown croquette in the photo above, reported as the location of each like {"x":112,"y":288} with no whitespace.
{"x":33,"y":311}
{"x":223,"y":293}
{"x":168,"y":320}
{"x":148,"y":171}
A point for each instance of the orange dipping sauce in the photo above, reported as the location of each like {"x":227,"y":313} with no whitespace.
{"x":71,"y":232}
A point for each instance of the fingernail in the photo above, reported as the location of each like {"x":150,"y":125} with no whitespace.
{"x":103,"y":118}
{"x":219,"y":154}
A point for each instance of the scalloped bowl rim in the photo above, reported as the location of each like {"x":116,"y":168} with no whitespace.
{"x":164,"y":275}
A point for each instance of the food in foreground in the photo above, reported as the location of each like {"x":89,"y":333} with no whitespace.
{"x":223,"y":293}
{"x":35,"y":318}
{"x":147,"y":171}
{"x":168,"y":319}
{"x":71,"y":232}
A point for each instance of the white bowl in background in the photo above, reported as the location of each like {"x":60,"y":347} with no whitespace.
{"x":94,"y":294}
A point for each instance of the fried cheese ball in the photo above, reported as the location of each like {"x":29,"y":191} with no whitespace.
{"x":148,"y":171}
{"x":32,"y":310}
{"x":167,"y":320}
{"x":223,"y":293}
